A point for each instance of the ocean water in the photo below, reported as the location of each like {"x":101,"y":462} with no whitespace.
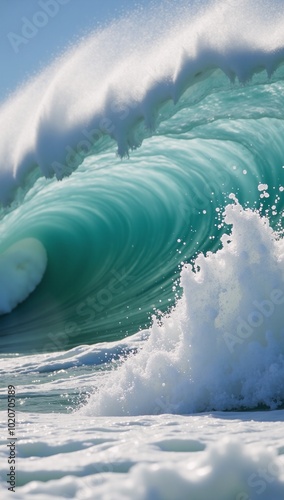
{"x":142,"y":260}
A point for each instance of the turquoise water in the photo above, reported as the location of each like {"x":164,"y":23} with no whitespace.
{"x":125,"y":185}
{"x":142,"y":260}
{"x":116,"y":231}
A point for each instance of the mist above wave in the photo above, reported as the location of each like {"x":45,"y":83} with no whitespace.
{"x":119,"y":77}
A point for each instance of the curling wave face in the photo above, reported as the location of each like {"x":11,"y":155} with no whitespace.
{"x":203,"y":91}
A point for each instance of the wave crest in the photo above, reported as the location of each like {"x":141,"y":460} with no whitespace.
{"x":120,"y":77}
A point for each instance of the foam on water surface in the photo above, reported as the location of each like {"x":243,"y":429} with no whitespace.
{"x":206,"y":82}
{"x":200,"y":84}
{"x":221,"y":456}
{"x":222,"y":347}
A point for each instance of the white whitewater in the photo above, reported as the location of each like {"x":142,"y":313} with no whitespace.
{"x":222,"y":347}
{"x":22,"y":267}
{"x":123,"y":74}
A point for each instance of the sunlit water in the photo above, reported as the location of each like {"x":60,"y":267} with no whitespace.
{"x":141,"y":266}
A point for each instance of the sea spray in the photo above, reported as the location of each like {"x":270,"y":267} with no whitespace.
{"x":222,"y":347}
{"x":105,"y":87}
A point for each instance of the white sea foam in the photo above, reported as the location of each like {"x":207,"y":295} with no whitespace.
{"x":109,"y":82}
{"x":222,"y":347}
{"x":83,"y":355}
{"x":22,"y":267}
{"x":163,"y":457}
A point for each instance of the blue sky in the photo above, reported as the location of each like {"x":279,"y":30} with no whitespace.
{"x":32,"y":32}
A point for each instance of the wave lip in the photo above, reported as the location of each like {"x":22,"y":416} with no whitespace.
{"x":103,"y":89}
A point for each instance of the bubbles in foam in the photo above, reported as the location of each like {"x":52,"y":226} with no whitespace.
{"x":222,"y":347}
